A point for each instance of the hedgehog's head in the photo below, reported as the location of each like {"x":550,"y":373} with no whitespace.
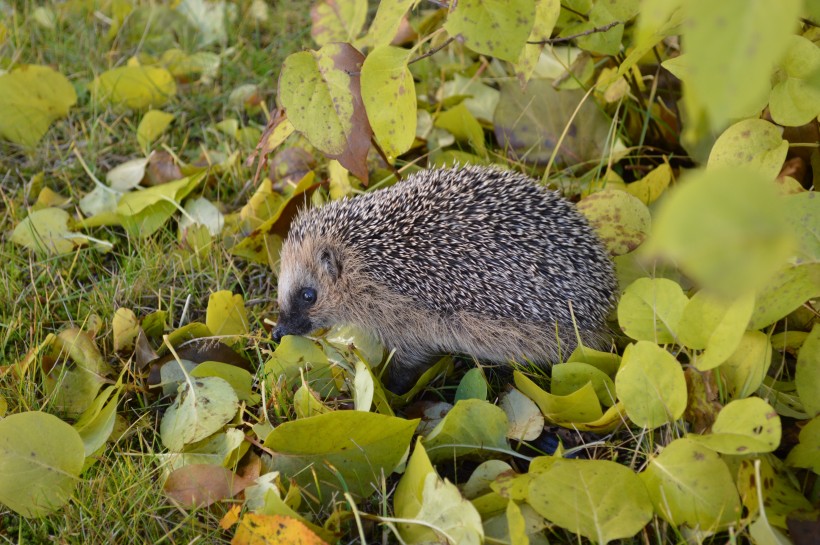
{"x":311,"y":294}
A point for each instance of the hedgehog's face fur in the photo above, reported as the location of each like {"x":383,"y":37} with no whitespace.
{"x":308,"y":286}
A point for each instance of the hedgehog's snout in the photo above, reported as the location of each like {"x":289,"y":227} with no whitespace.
{"x":278,"y":333}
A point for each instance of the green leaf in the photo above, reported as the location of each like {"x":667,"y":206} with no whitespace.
{"x":389,"y":97}
{"x":343,"y":449}
{"x":463,"y":125}
{"x":525,"y":419}
{"x":807,"y":452}
{"x":747,"y":366}
{"x":471,"y":426}
{"x":226,"y":315}
{"x":409,"y":494}
{"x":743,"y":426}
{"x":472,"y":386}
{"x":143,"y":212}
{"x":620,"y":220}
{"x":735,"y":45}
{"x":73,"y":383}
{"x":578,"y":407}
{"x":598,"y":499}
{"x":337,"y":20}
{"x":494,"y":27}
{"x":443,"y":508}
{"x":779,"y":495}
{"x":386,"y":22}
{"x":730,"y":245}
{"x":716,"y":325}
{"x":46,"y":231}
{"x":651,"y":308}
{"x":320,"y":91}
{"x":135,"y":87}
{"x":96,"y":424}
{"x":802,"y":211}
{"x":795,"y":99}
{"x":753,"y":142}
{"x":807,"y":375}
{"x":40,"y":461}
{"x":202,"y":407}
{"x":650,"y":187}
{"x":546,"y":15}
{"x":296,"y":355}
{"x":570,"y":377}
{"x":785,"y":293}
{"x":651,"y":385}
{"x":690,"y":485}
{"x":32,"y":97}
{"x":153,"y":124}
{"x":240,"y":380}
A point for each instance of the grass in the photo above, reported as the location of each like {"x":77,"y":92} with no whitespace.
{"x":120,"y":500}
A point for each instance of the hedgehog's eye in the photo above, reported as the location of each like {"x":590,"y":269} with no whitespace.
{"x":308,"y":295}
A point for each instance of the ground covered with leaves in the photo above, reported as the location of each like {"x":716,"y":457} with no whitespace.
{"x":152,"y":157}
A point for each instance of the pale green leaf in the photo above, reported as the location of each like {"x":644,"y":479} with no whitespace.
{"x":493,"y":27}
{"x":784,"y":293}
{"x":546,"y":15}
{"x":452,"y":516}
{"x":725,"y":243}
{"x":201,"y":408}
{"x":570,"y":377}
{"x":320,"y":92}
{"x":337,"y":20}
{"x":714,"y":324}
{"x":578,"y":407}
{"x":46,"y":231}
{"x":473,"y":385}
{"x":463,"y":125}
{"x":386,"y":22}
{"x":651,"y":385}
{"x":389,"y":97}
{"x":795,"y":99}
{"x":651,"y":308}
{"x":735,"y":44}
{"x":598,"y":499}
{"x":807,"y":452}
{"x":807,"y":376}
{"x":343,"y":449}
{"x":525,"y":419}
{"x":470,"y":427}
{"x":747,"y":366}
{"x":407,"y":500}
{"x":40,"y":462}
{"x":690,"y":485}
{"x":143,"y":212}
{"x":755,"y":143}
{"x":743,"y":426}
{"x":226,"y":315}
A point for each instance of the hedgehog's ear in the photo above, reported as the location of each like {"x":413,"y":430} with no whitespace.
{"x":331,"y":264}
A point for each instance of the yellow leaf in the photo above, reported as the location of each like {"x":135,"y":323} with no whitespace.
{"x":135,"y":87}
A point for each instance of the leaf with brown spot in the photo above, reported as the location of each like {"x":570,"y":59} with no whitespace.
{"x":321,"y":93}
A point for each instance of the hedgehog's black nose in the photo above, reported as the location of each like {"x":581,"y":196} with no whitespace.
{"x":278,"y":333}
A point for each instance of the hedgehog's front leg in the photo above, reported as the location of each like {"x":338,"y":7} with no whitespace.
{"x":405,"y":368}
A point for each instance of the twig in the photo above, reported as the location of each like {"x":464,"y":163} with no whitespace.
{"x":432,"y":51}
{"x":579,"y":35}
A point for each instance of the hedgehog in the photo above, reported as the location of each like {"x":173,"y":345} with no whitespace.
{"x":472,"y":260}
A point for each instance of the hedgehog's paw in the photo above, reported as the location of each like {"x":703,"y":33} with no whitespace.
{"x":404,"y":370}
